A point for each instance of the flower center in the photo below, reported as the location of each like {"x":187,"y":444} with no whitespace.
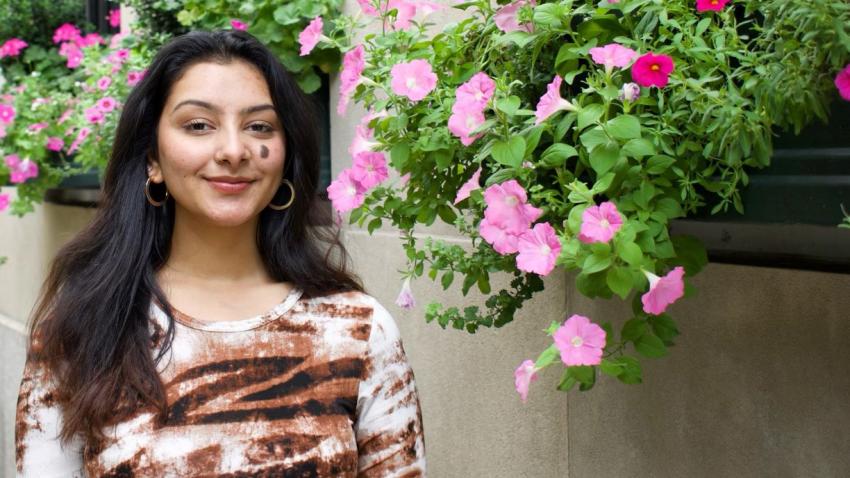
{"x":545,"y":250}
{"x":604,"y":224}
{"x":714,"y":2}
{"x":411,"y":82}
{"x":577,"y":341}
{"x":511,"y":201}
{"x":655,"y":67}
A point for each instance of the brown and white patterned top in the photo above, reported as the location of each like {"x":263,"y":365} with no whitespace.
{"x":314,"y":387}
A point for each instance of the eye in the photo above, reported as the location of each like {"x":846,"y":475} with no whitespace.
{"x":263,"y":127}
{"x":195,"y":125}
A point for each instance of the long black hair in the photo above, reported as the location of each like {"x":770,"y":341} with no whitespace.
{"x":90,"y":326}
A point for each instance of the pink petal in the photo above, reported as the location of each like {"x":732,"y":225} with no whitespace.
{"x":663,"y":291}
{"x":523,"y":376}
{"x":469,"y":186}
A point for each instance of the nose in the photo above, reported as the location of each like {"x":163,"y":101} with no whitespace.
{"x":232,"y":147}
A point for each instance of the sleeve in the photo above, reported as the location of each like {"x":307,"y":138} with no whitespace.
{"x":388,"y":428}
{"x":38,"y":451}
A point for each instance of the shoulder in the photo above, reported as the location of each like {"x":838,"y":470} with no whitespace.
{"x":355,"y":305}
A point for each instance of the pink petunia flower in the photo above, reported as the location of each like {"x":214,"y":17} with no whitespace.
{"x":600,"y":223}
{"x":711,"y":5}
{"x":55,"y":143}
{"x":507,"y":207}
{"x":133,"y":77}
{"x":20,"y":171}
{"x":238,"y":24}
{"x":413,"y":79}
{"x":116,"y":40}
{"x":114,"y":18}
{"x":503,"y":241}
{"x":476,"y":92}
{"x":7,"y":113}
{"x":405,"y":298}
{"x":369,"y":169}
{"x":65,"y":115}
{"x":368,"y":8}
{"x":663,"y":291}
{"x":104,"y":82}
{"x":464,"y":120}
{"x":81,"y":136}
{"x":506,"y":17}
{"x":353,"y":64}
{"x":403,"y":179}
{"x":362,"y":140}
{"x":538,"y":248}
{"x":4,"y":202}
{"x":89,"y":40}
{"x":469,"y":186}
{"x":580,"y":341}
{"x":94,"y":115}
{"x":652,"y":70}
{"x":66,"y":32}
{"x":12,"y":47}
{"x":524,"y":375}
{"x":36,"y":127}
{"x":310,"y":36}
{"x":345,"y":192}
{"x":106,"y":104}
{"x":552,"y":102}
{"x":842,"y":82}
{"x":612,"y":55}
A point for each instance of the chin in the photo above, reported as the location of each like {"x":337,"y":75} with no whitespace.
{"x":231,"y":217}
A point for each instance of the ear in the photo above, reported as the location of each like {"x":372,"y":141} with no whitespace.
{"x":154,"y":170}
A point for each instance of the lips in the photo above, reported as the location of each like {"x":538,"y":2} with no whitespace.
{"x":229,"y":185}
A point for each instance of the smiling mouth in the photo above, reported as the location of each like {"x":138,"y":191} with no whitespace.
{"x":229,"y":185}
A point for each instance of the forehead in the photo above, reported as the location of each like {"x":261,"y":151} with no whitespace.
{"x":230,"y":85}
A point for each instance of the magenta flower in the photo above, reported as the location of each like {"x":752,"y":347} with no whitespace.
{"x":66,"y":32}
{"x":551,"y":102}
{"x":94,"y":115}
{"x":469,"y":186}
{"x":12,"y":47}
{"x":413,"y":79}
{"x":353,"y":64}
{"x":523,"y":376}
{"x":345,"y":192}
{"x":663,"y":291}
{"x":106,"y":104}
{"x":114,"y":17}
{"x":133,"y":77}
{"x":89,"y":40}
{"x":310,"y":36}
{"x":476,"y":92}
{"x":7,"y":113}
{"x":600,"y":223}
{"x":506,"y":17}
{"x":55,"y":143}
{"x":19,"y":170}
{"x":503,"y":241}
{"x":629,"y":92}
{"x":711,"y":5}
{"x":580,"y":341}
{"x":4,"y":202}
{"x":36,"y":127}
{"x":369,"y":169}
{"x":652,"y":70}
{"x":507,"y":207}
{"x":72,"y":53}
{"x":65,"y":115}
{"x":238,"y":24}
{"x":842,"y":82}
{"x":81,"y":136}
{"x":538,"y":248}
{"x":405,"y":298}
{"x":612,"y":55}
{"x":104,"y":82}
{"x":464,"y":120}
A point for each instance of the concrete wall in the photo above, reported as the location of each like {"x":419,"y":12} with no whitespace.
{"x":758,"y":384}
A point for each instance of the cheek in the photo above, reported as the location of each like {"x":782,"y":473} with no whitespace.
{"x":180,"y":158}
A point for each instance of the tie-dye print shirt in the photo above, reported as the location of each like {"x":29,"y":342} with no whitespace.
{"x":315,"y":387}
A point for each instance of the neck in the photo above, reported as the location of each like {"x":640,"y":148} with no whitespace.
{"x":216,"y":255}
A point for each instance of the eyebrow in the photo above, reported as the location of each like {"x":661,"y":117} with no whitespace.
{"x":210,"y":106}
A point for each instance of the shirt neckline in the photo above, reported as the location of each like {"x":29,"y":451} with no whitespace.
{"x":238,"y":325}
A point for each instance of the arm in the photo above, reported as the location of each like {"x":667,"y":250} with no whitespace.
{"x":388,"y":429}
{"x":38,"y":452}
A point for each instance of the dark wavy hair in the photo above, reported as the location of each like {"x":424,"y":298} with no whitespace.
{"x":90,"y":326}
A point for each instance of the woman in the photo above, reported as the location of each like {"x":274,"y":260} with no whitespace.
{"x":160,"y":345}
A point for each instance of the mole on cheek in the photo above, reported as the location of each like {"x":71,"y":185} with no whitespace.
{"x":264,"y":152}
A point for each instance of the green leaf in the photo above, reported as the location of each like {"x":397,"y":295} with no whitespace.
{"x":631,"y":253}
{"x":638,"y":148}
{"x":690,"y":253}
{"x":631,"y":371}
{"x":509,"y":153}
{"x":650,"y":346}
{"x":594,"y":137}
{"x":399,"y":155}
{"x":447,"y":214}
{"x":619,"y":279}
{"x":664,"y":327}
{"x":596,"y":263}
{"x":583,"y":373}
{"x":611,"y":368}
{"x":547,"y":356}
{"x":447,"y":279}
{"x":589,"y":114}
{"x":604,"y":156}
{"x":603,"y":183}
{"x":659,"y":164}
{"x":374,"y":224}
{"x":508,"y":105}
{"x":556,"y":154}
{"x":593,"y":285}
{"x":484,"y":283}
{"x":567,"y":381}
{"x":624,"y":127}
{"x":669,"y":207}
{"x":634,"y":329}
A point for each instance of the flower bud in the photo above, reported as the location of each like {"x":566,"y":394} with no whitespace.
{"x":630,"y":92}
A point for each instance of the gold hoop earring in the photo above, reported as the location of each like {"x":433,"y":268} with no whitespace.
{"x":291,"y":198}
{"x":148,"y":194}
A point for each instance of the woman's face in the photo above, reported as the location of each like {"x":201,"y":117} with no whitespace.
{"x":220,"y":144}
